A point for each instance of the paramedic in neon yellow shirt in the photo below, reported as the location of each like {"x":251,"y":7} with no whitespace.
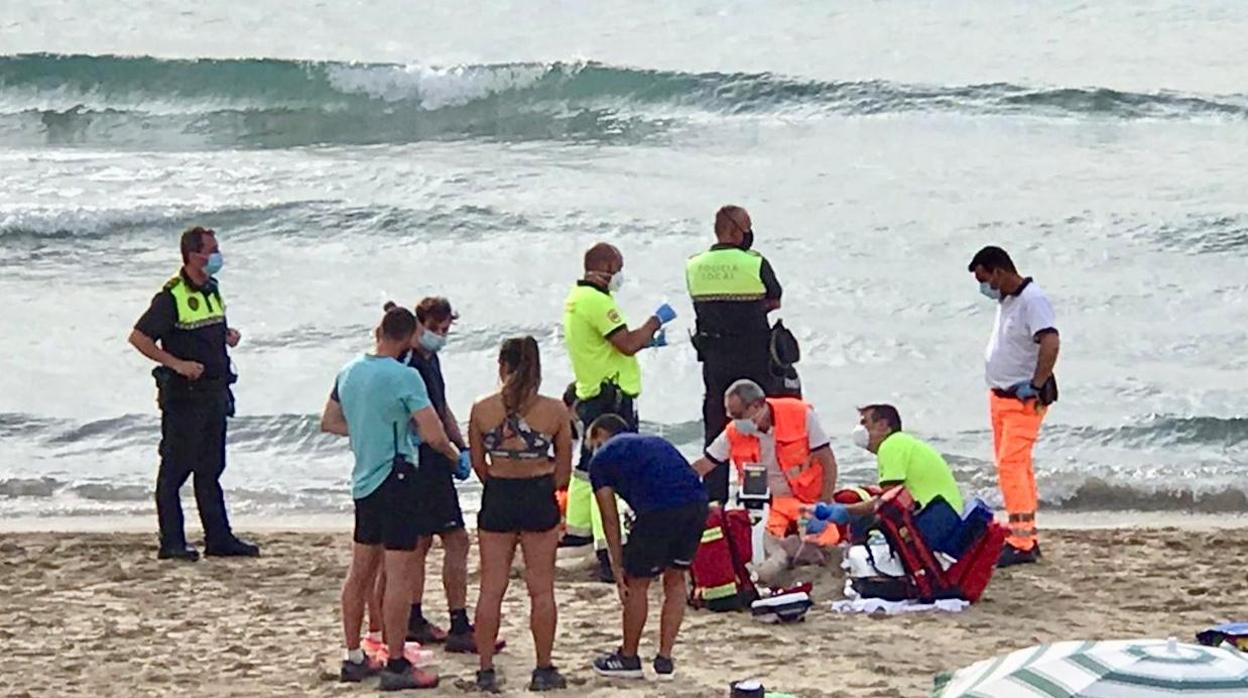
{"x":603,"y":351}
{"x":902,"y":460}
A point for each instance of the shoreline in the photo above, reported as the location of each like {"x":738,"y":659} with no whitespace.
{"x":342,"y":522}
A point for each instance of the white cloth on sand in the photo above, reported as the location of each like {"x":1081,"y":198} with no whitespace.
{"x":892,"y":608}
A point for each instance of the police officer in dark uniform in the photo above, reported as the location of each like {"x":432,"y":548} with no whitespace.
{"x":733,"y":289}
{"x":187,"y":318}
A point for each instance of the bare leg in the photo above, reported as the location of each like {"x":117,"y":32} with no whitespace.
{"x":365,"y":560}
{"x":418,"y":569}
{"x":376,"y":593}
{"x":539,"y":576}
{"x":635,"y":610}
{"x":497,"y":552}
{"x":455,"y":568}
{"x":674,"y":595}
{"x":397,"y":604}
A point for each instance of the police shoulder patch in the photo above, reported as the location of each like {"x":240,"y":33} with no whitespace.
{"x":613,"y":315}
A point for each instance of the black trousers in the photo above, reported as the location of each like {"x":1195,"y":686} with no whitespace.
{"x":719,"y":371}
{"x":192,"y":442}
{"x":609,"y":401}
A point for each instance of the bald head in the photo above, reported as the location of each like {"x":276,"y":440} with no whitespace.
{"x":731,"y":225}
{"x":603,"y":258}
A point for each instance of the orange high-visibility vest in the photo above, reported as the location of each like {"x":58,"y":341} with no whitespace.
{"x":788,"y":424}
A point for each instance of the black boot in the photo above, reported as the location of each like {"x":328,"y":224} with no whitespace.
{"x":232,"y":547}
{"x":181,"y":552}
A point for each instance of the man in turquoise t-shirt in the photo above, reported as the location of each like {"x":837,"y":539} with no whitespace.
{"x":902,"y":460}
{"x":379,"y":396}
{"x":374,"y":400}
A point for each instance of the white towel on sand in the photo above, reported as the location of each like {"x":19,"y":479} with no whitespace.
{"x":892,"y":608}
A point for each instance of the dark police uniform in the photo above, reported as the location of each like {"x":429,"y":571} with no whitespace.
{"x":439,"y":510}
{"x":189,"y":322}
{"x":730,"y":288}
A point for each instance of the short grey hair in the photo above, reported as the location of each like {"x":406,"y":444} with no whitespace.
{"x":746,"y":390}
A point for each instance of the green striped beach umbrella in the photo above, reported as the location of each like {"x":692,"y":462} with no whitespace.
{"x":1112,"y":669}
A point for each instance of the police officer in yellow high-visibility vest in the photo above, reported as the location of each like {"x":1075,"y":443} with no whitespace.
{"x":608,"y":379}
{"x":733,"y":289}
{"x":187,"y":318}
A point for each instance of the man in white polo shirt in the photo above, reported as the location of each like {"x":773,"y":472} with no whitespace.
{"x":1019,"y":368}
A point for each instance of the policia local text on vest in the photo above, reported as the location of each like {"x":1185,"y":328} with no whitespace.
{"x":733,"y":289}
{"x":193,"y":384}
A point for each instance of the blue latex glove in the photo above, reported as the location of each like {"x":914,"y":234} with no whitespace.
{"x":665,"y":313}
{"x":836,"y":513}
{"x":1024,"y":391}
{"x":464,"y":467}
{"x":816,"y":526}
{"x":658,"y":340}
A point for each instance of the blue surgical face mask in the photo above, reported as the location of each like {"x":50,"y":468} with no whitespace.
{"x":215,"y":262}
{"x":987,"y":289}
{"x":432,"y":341}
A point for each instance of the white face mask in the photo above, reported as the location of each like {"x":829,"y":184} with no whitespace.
{"x":746,"y":426}
{"x":617,"y":280}
{"x":860,"y":436}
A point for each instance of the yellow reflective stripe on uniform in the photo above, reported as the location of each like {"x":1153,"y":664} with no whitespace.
{"x":726,"y":274}
{"x":711,"y":535}
{"x":721,"y":591}
{"x":200,"y":323}
{"x":195,"y":308}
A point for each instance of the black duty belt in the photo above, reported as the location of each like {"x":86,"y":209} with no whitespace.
{"x":703,"y":335}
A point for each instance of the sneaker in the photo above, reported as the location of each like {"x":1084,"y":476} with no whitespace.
{"x":1011,"y":556}
{"x":461,"y":643}
{"x":466,"y":643}
{"x":406,"y":676}
{"x":570,"y":541}
{"x":547,"y":679}
{"x":425,"y":633}
{"x":233,"y":548}
{"x":355,"y":672}
{"x":183,"y":552}
{"x":487,"y":680}
{"x":664,"y":668}
{"x":617,"y":665}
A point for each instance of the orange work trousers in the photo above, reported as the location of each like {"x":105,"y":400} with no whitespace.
{"x":1015,"y":426}
{"x":785,"y":519}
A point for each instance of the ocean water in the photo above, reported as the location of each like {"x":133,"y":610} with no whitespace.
{"x":350,"y":153}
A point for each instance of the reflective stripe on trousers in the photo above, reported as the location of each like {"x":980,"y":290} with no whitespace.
{"x":583,"y":517}
{"x":1015,"y":426}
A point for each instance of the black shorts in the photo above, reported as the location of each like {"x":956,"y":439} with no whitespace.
{"x":666,"y":539}
{"x":388,"y":516}
{"x":519,"y":505}
{"x":438,"y":501}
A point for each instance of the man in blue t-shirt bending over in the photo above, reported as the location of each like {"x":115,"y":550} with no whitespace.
{"x":374,"y":400}
{"x":669,"y":501}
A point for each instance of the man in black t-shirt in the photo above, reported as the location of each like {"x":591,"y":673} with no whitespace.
{"x":440,"y":513}
{"x":187,"y":318}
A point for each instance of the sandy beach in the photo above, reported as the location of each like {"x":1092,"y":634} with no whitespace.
{"x":94,"y":614}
